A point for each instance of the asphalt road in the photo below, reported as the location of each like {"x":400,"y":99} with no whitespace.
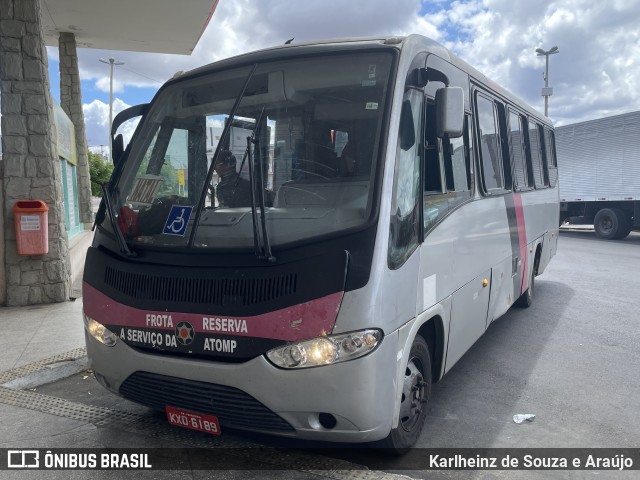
{"x":572,"y":359}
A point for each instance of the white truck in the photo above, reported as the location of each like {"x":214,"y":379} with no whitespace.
{"x":599,"y":171}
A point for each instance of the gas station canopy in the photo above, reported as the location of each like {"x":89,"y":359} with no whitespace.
{"x":159,"y":26}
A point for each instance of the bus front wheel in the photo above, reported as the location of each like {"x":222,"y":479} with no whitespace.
{"x":416,"y":391}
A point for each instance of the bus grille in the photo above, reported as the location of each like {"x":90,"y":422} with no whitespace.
{"x":209,"y":291}
{"x":233,"y":407}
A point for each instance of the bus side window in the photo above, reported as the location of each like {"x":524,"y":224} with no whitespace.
{"x":447,"y":171}
{"x":518,"y":154}
{"x":435,"y":198}
{"x":543,"y":157}
{"x":550,"y":147}
{"x":491,"y":163}
{"x":550,"y":153}
{"x":539,"y":174}
{"x":404,"y":227}
{"x":457,"y":166}
{"x":432,"y":170}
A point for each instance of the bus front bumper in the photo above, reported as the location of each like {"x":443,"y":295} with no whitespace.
{"x":359,"y":394}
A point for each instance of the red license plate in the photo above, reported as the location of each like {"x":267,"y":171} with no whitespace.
{"x":194,"y":421}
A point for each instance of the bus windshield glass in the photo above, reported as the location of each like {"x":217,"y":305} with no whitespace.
{"x":310,"y":126}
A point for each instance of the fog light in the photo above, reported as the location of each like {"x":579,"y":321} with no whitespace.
{"x":99,"y":331}
{"x":327,"y":420}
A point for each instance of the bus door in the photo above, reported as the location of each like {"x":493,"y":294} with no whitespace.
{"x":447,"y":213}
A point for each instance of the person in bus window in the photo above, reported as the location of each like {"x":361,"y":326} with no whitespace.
{"x":232,"y":190}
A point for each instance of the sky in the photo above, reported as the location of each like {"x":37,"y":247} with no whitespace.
{"x":595,"y":74}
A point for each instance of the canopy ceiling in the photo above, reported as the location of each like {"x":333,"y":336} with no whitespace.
{"x":160,"y":26}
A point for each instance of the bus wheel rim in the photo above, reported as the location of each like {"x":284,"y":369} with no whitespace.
{"x":413,"y":396}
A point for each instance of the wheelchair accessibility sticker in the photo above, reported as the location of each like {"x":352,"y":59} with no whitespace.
{"x":177,"y":220}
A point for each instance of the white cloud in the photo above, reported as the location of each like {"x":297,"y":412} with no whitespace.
{"x":104,"y":85}
{"x":593,"y":37}
{"x":96,"y":117}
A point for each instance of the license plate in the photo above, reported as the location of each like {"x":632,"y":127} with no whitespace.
{"x":192,"y":420}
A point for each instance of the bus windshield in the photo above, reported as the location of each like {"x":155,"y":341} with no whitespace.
{"x":311,"y":126}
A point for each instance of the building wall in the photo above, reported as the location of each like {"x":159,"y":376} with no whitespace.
{"x":31,"y":166}
{"x":3,"y":279}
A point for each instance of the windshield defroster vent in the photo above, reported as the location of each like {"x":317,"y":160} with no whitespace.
{"x":210,"y":291}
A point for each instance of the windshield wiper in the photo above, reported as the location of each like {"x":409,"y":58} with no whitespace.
{"x":216,"y":155}
{"x":260,"y":237}
{"x":124,"y":248}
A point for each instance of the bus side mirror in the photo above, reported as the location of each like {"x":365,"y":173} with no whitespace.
{"x":117,"y":142}
{"x":449,"y":112}
{"x":128,"y":114}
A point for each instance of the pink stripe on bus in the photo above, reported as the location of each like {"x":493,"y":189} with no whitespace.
{"x":297,"y":322}
{"x":522,"y":238}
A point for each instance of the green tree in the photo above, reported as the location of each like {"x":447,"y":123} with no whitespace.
{"x":100,"y":172}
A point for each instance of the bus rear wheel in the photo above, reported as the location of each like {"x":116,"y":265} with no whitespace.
{"x":416,"y":391}
{"x":526,"y":299}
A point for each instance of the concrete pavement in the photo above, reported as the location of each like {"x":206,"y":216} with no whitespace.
{"x":39,"y":331}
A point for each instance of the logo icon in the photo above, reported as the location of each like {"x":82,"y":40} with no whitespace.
{"x":23,"y":459}
{"x":184,"y":333}
{"x":177,"y":220}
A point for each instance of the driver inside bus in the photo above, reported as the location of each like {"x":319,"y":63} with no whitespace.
{"x":232,"y":190}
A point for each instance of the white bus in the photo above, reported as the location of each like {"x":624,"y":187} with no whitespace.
{"x":412,"y":201}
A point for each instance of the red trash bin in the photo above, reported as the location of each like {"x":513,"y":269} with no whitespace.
{"x":31,"y":220}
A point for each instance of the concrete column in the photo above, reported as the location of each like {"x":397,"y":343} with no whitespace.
{"x":71,"y":103}
{"x":31,"y":166}
{"x":3,"y":268}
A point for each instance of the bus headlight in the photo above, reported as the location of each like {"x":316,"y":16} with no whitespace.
{"x":326,"y":350}
{"x":99,"y":332}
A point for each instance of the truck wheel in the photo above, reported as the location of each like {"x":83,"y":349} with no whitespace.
{"x":609,"y":223}
{"x":625,"y":224}
{"x":416,"y":391}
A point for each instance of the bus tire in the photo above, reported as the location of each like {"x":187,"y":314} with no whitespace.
{"x":609,"y":223}
{"x":526,"y":299}
{"x":416,"y":392}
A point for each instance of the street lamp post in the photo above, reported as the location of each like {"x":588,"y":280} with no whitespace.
{"x":111,"y":62}
{"x":546,"y":91}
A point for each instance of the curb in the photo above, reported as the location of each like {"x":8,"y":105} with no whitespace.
{"x":45,"y":371}
{"x":50,"y":373}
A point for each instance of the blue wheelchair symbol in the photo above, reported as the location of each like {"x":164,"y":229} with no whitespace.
{"x":177,"y":220}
